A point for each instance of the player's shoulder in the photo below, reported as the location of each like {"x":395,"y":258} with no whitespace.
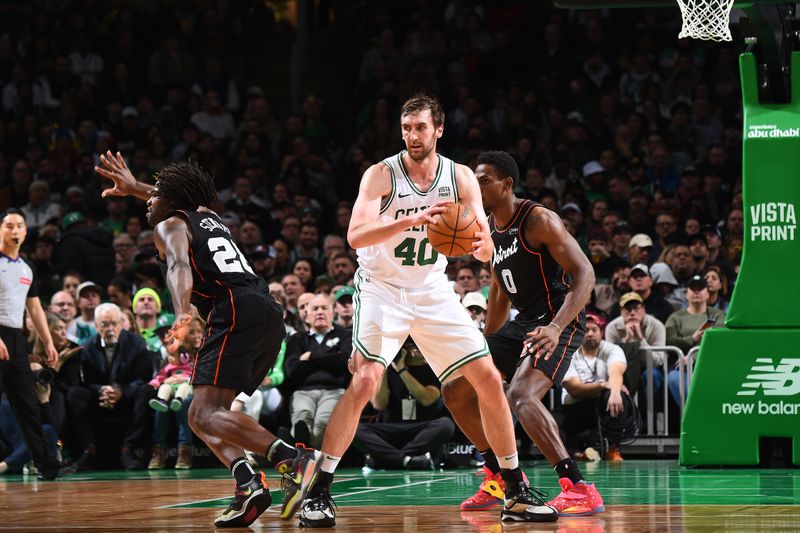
{"x":540,"y":217}
{"x":463,"y":170}
{"x":378,"y":179}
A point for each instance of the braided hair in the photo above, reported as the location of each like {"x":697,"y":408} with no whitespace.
{"x":185,"y":185}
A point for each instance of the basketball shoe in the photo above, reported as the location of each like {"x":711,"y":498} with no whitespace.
{"x":249,"y":501}
{"x":319,"y":510}
{"x":525,"y":504}
{"x":297,"y":476}
{"x":489,"y":495}
{"x":614,"y":455}
{"x":578,"y":499}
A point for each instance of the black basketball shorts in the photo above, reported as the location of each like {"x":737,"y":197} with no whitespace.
{"x":506,"y":348}
{"x":241,"y":342}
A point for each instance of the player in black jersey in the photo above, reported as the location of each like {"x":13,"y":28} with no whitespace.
{"x":242,"y":337}
{"x":540,"y":269}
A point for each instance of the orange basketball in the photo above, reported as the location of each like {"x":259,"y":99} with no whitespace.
{"x":454,"y":231}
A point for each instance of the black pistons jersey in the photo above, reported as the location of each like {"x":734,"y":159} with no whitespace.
{"x":533,"y":281}
{"x":218,"y":266}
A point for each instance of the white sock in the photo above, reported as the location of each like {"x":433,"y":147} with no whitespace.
{"x":328,"y":463}
{"x":508,"y":462}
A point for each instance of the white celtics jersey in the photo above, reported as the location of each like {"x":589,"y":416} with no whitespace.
{"x":408,"y":260}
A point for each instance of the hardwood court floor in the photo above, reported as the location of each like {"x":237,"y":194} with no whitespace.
{"x":639,"y":496}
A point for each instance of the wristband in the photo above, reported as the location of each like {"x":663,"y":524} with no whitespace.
{"x":404,"y":369}
{"x":556,"y":325}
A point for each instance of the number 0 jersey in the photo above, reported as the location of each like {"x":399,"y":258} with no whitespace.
{"x":218,"y":265}
{"x":407,"y":260}
{"x":533,"y":281}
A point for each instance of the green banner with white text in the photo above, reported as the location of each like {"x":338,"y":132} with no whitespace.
{"x":767,"y":290}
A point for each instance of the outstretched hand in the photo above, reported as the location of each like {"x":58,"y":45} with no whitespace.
{"x":177,"y":332}
{"x":113,"y":167}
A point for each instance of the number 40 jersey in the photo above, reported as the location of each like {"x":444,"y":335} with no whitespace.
{"x":407,"y":260}
{"x":218,"y":266}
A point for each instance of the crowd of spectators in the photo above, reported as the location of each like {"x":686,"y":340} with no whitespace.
{"x":633,"y":137}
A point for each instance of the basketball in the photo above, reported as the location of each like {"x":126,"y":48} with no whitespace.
{"x":454,"y":231}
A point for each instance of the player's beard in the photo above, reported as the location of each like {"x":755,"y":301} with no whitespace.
{"x":424,"y":152}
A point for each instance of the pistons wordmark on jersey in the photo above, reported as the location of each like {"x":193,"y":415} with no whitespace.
{"x":534,"y":281}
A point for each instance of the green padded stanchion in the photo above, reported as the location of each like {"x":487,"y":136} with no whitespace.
{"x":746,"y":383}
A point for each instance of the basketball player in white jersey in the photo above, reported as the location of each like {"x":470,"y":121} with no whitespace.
{"x":402,"y":290}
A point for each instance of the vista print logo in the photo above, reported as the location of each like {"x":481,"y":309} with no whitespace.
{"x":782,"y":379}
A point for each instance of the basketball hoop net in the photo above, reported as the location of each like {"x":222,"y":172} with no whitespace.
{"x":706,"y":19}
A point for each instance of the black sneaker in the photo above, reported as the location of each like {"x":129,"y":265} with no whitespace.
{"x":419,"y":462}
{"x":297,"y":476}
{"x":49,"y":471}
{"x":249,"y":502}
{"x":318,"y":510}
{"x":129,"y":462}
{"x":526,"y":504}
{"x":86,"y":461}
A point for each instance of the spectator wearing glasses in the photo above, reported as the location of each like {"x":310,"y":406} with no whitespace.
{"x":115,"y":370}
{"x":475,"y":303}
{"x":63,"y":304}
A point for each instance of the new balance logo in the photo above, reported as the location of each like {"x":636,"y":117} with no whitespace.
{"x":783,"y":379}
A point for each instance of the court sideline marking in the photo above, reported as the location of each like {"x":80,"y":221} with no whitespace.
{"x":346,"y":494}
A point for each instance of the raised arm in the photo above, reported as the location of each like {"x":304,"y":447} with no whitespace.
{"x":113,"y":167}
{"x":365,"y":228}
{"x":470,"y":195}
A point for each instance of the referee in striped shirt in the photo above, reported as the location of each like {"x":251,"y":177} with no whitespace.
{"x":17,"y":293}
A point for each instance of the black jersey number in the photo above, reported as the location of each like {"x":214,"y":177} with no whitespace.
{"x":227,"y":256}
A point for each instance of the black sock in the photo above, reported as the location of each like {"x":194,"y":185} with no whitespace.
{"x":512,"y":479}
{"x":279,"y":451}
{"x":323,"y":481}
{"x":490,"y":461}
{"x":568,"y":469}
{"x":242,"y":472}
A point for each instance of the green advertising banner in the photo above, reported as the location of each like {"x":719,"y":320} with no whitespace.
{"x":747,"y":380}
{"x":767,"y":291}
{"x":746,"y":386}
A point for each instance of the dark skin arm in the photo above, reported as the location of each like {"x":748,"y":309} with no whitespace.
{"x":173,"y":238}
{"x":544,"y":228}
{"x":498,"y":307}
